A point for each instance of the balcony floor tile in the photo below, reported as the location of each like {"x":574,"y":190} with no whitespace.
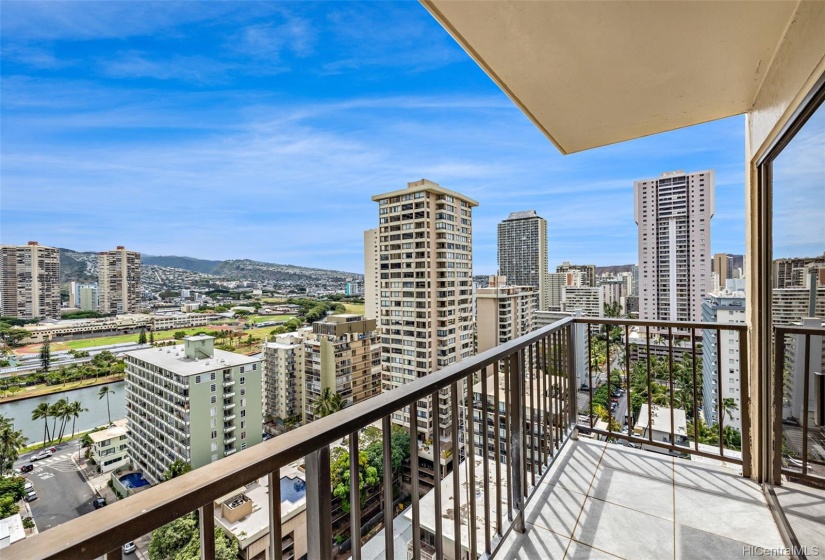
{"x":555,"y":508}
{"x":580,"y":551}
{"x":576,"y":465}
{"x":694,"y":544}
{"x":624,"y":532}
{"x":625,"y":488}
{"x":804,"y":507}
{"x":534,"y":543}
{"x":746,"y":519}
{"x":615,"y":501}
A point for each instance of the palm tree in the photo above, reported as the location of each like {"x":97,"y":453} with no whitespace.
{"x":42,"y":411}
{"x":729,"y":406}
{"x":65,"y":415}
{"x":75,"y":410}
{"x":105,"y":392}
{"x":56,"y":411}
{"x":177,"y":468}
{"x":11,"y":441}
{"x":328,"y":403}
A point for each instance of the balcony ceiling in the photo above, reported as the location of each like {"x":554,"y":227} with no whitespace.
{"x":590,"y":74}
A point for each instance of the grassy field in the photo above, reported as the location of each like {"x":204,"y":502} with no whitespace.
{"x":355,"y":308}
{"x":263,"y":318}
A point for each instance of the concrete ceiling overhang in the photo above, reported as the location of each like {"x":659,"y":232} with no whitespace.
{"x":590,"y":74}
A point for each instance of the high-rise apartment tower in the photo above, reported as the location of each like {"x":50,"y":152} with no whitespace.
{"x":673,"y":213}
{"x":29,"y":281}
{"x":426,"y":287}
{"x":522,"y":252}
{"x":118,"y":281}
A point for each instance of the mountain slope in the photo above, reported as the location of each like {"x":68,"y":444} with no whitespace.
{"x":186,"y":263}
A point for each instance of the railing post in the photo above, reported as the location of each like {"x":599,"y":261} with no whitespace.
{"x":207,"y":530}
{"x":319,"y":505}
{"x":516,"y":374}
{"x":572,"y":378}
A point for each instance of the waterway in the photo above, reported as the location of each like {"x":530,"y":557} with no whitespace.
{"x":21,"y":410}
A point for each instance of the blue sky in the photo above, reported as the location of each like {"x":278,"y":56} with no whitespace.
{"x":260,"y":130}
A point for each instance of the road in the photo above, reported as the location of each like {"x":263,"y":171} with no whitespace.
{"x":62,"y":492}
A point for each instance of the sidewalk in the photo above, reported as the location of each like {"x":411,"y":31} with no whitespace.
{"x":98,"y":482}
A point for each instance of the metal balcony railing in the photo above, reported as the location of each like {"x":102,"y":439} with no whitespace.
{"x":529,"y":386}
{"x":798,"y":400}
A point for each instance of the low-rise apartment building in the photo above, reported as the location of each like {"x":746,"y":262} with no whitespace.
{"x":109,"y":450}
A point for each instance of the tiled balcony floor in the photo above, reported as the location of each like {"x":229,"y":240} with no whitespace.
{"x":610,"y":501}
{"x":804,"y":507}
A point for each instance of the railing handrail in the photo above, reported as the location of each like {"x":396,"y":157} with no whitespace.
{"x":681,"y":325}
{"x":101,"y":531}
{"x":799,"y":329}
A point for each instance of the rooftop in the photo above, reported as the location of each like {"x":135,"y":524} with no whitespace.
{"x":660,"y":415}
{"x":524,"y":214}
{"x":425,"y":185}
{"x":174,"y":359}
{"x":119,"y":429}
{"x":256,"y":524}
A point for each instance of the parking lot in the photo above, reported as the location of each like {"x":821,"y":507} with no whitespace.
{"x":62,"y":492}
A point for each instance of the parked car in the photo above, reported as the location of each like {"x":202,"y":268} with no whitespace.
{"x":30,"y":495}
{"x":28,"y":467}
{"x":129,"y":548}
{"x":29,"y":485}
{"x":99,"y":502}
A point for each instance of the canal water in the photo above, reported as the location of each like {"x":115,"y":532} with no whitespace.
{"x":21,"y":410}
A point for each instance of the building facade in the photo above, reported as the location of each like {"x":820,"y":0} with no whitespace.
{"x":673,"y":213}
{"x":722,"y":353}
{"x":283,"y":363}
{"x":426,"y":283}
{"x":118,"y":281}
{"x":726,"y":267}
{"x":372,"y":305}
{"x":522,"y":252}
{"x":30,"y":281}
{"x":343,"y":355}
{"x":588,"y":270}
{"x":792,"y":272}
{"x":589,"y":300}
{"x":191,"y":403}
{"x":109,"y":449}
{"x":504,"y":312}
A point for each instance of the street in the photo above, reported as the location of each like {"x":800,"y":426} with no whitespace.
{"x":62,"y":492}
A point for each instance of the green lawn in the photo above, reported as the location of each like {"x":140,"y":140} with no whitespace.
{"x":119,"y":339}
{"x":263,"y":318}
{"x":355,"y":308}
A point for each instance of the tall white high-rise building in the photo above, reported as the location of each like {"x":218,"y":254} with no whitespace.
{"x":29,"y":281}
{"x":522,"y":252}
{"x":118,"y":274}
{"x":720,"y":355}
{"x":673,"y":213}
{"x":426,"y":288}
{"x":372,"y":306}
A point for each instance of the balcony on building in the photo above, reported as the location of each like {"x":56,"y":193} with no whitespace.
{"x":587,"y":74}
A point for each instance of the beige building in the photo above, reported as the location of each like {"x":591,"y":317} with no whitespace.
{"x":588,"y":270}
{"x":283,"y":363}
{"x":522,"y":252}
{"x":340,"y":352}
{"x":673,"y":212}
{"x":29,"y":281}
{"x":504,"y":312}
{"x":118,"y":281}
{"x":426,"y":283}
{"x":344,"y":355}
{"x":795,"y":272}
{"x":372,"y":305}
